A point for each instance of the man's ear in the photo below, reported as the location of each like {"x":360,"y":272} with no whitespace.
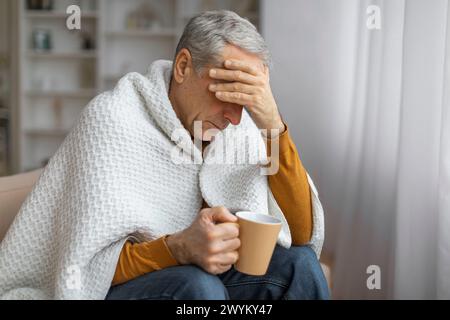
{"x":182,"y":66}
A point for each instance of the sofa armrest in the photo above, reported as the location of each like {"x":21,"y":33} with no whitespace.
{"x":13,"y":191}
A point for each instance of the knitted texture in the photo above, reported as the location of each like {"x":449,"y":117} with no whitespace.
{"x":114,"y":178}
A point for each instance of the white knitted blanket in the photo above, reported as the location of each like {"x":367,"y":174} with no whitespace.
{"x":115,"y":177}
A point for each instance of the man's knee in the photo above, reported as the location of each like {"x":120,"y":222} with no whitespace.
{"x":308,"y":272}
{"x":197,"y":284}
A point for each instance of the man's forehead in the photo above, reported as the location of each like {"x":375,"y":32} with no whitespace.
{"x":231,"y":52}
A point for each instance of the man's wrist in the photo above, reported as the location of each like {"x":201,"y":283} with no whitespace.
{"x":275,"y":130}
{"x":176,"y":248}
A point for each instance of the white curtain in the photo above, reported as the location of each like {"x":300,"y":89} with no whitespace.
{"x":369,"y":110}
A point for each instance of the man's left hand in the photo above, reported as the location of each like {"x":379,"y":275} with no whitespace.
{"x":248,"y":85}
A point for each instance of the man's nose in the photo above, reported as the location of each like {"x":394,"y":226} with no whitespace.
{"x":233,"y":113}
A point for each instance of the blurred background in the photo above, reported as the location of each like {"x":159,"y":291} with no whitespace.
{"x":363,"y":86}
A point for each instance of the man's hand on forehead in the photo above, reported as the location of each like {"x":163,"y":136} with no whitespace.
{"x":238,"y":70}
{"x":247,"y":84}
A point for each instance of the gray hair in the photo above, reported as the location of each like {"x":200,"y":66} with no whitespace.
{"x":206,"y":35}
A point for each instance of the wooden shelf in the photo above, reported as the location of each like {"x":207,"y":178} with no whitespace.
{"x":78,"y":94}
{"x":162,"y":32}
{"x":4,"y":113}
{"x":252,"y":15}
{"x":41,"y":14}
{"x":112,"y":77}
{"x":63,"y":55}
{"x":46,"y":132}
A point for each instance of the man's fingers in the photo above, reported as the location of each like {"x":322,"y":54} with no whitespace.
{"x":231,"y":245}
{"x":238,"y":98}
{"x":267,"y":73}
{"x":242,"y":65}
{"x":234,"y":76}
{"x":221,"y":268}
{"x":221,"y":214}
{"x":233,"y":87}
{"x":227,"y":230}
{"x":228,"y":258}
{"x":222,"y":246}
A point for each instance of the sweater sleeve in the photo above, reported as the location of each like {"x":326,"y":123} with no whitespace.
{"x":140,"y":258}
{"x":290,"y":188}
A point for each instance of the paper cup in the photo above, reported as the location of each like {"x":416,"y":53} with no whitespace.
{"x":258,"y":234}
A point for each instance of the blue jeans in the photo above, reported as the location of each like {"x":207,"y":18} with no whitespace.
{"x":293,"y":273}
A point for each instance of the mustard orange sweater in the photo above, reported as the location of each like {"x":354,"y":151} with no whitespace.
{"x":290,"y":188}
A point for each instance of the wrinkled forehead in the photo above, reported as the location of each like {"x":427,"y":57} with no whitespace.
{"x":232,"y":52}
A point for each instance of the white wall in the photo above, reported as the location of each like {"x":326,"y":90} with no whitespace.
{"x":313,"y":70}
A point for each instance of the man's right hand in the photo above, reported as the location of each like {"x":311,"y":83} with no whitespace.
{"x":211,"y":242}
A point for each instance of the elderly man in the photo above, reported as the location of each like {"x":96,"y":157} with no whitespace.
{"x":116,"y":215}
{"x":220,"y":66}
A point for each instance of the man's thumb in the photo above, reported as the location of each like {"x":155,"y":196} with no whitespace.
{"x":222,"y":214}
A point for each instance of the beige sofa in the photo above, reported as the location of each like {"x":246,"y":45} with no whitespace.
{"x":14,"y":190}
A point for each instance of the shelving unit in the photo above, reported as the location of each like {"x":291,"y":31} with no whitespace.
{"x":71,"y":94}
{"x":4,"y":113}
{"x":46,"y":132}
{"x":166,"y":32}
{"x":56,"y":85}
{"x":62,"y":55}
{"x":5,"y":88}
{"x":38,"y":14}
